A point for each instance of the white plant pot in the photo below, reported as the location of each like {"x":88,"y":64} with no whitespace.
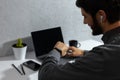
{"x":20,"y":53}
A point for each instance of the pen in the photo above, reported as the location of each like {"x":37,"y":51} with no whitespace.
{"x":22,"y":69}
{"x":17,"y":69}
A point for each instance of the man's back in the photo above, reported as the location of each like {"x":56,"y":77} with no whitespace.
{"x":111,"y":56}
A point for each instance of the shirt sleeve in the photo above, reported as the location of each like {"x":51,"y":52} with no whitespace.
{"x":89,"y":65}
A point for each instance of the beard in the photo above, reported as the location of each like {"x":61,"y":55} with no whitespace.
{"x":96,"y":28}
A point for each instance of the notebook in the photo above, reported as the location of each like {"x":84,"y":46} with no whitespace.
{"x":45,"y":40}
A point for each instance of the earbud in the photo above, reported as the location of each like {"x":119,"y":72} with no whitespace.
{"x":101,"y":19}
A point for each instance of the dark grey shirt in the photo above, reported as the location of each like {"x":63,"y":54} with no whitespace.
{"x":100,"y":63}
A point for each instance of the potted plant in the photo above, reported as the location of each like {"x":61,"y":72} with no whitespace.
{"x":19,"y":49}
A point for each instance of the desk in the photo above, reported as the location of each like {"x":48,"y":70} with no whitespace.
{"x":7,"y":72}
{"x":89,"y":44}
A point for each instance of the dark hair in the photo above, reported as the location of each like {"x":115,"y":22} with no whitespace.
{"x":111,"y":8}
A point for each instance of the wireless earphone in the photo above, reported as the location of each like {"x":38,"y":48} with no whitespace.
{"x":101,"y":19}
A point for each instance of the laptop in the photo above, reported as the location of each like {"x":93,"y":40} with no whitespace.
{"x":45,"y":40}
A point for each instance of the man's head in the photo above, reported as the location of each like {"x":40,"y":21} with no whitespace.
{"x":97,"y":11}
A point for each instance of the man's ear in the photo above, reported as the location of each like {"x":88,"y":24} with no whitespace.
{"x":101,"y":15}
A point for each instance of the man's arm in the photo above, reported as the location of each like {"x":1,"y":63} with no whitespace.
{"x":82,"y":67}
{"x":48,"y":65}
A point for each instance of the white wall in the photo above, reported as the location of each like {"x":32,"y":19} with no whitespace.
{"x":20,"y":17}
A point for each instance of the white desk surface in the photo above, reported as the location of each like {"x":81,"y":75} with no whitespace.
{"x":7,"y":72}
{"x":89,"y":44}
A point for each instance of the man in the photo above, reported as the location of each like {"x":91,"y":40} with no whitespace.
{"x":100,"y":63}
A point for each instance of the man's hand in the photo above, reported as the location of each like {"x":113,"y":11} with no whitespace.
{"x":65,"y":50}
{"x":75,"y":52}
{"x":62,"y":47}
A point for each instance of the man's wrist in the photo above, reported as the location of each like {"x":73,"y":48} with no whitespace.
{"x":54,"y":53}
{"x":58,"y":50}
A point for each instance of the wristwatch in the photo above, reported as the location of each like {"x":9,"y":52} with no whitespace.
{"x":59,"y":50}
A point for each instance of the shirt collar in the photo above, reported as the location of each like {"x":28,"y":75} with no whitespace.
{"x":110,"y":34}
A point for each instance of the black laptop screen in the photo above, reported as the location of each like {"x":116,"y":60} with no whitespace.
{"x":44,"y":40}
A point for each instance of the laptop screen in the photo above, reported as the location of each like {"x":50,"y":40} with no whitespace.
{"x":44,"y":40}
